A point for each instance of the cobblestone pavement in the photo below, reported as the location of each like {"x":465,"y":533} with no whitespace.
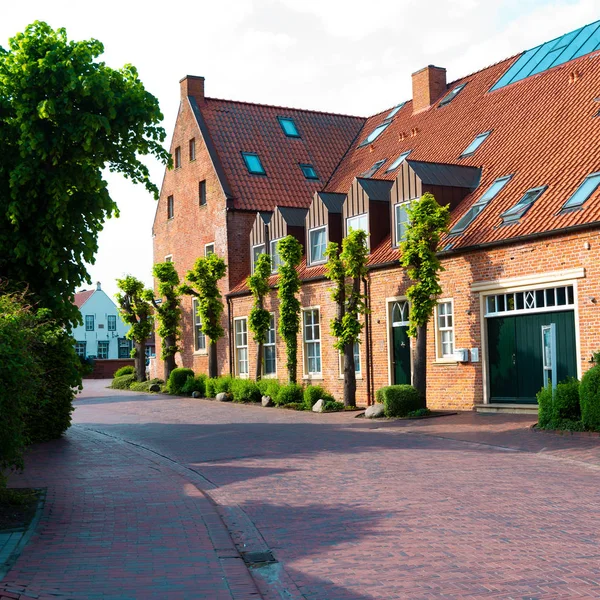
{"x":467,"y":506}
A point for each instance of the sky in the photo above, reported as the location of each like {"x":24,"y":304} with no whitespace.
{"x":341,"y":56}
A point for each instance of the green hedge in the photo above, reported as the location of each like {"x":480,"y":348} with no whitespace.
{"x":399,"y":400}
{"x":292,"y":392}
{"x":269,"y":387}
{"x":211,"y":387}
{"x":122,"y":383}
{"x":314,"y":393}
{"x":177,"y":380}
{"x":560,"y":410}
{"x":195,"y":384}
{"x":544,"y":400}
{"x":217,"y":385}
{"x":333,"y":406}
{"x":244,"y":390}
{"x":127,"y":370}
{"x":589,"y":395}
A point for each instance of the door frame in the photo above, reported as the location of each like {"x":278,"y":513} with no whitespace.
{"x":520,"y":284}
{"x":390,"y":346}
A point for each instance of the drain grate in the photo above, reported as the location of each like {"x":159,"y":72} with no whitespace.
{"x":258,"y":559}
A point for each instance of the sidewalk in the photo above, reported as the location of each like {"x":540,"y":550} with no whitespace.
{"x":119,"y":525}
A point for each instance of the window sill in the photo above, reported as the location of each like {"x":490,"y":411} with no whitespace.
{"x":445,"y":361}
{"x":316,"y":377}
{"x":270,"y":376}
{"x":200,"y":353}
{"x":357,"y":377}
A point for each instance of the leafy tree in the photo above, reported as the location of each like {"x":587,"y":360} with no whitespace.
{"x":350,"y":264}
{"x":135,"y":308}
{"x":428,"y":222}
{"x":64,"y":117}
{"x":205,"y":276}
{"x":290,"y":253}
{"x":260,"y":318}
{"x":168,"y":313}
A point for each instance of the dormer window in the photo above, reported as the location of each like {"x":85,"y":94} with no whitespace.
{"x":256,"y":252}
{"x":317,"y":239}
{"x":374,"y":134}
{"x":368,"y":174}
{"x":584,"y":191}
{"x":523,"y":205}
{"x":253,"y":163}
{"x":398,"y":161}
{"x":357,"y":222}
{"x":276,"y":261}
{"x":309,"y":171}
{"x":451,"y":95}
{"x":402,"y":222}
{"x":470,"y":149}
{"x":289,"y":127}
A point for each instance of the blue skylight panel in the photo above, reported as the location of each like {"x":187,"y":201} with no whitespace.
{"x":394,"y":110}
{"x":253,"y":163}
{"x":451,"y":95}
{"x":398,"y":161}
{"x":470,"y":149}
{"x":584,"y":191}
{"x":375,"y":134}
{"x":370,"y":172}
{"x":553,"y":53}
{"x":289,"y":126}
{"x":309,"y":172}
{"x":523,"y":205}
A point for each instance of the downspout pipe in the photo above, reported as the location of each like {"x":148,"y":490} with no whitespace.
{"x":368,"y":335}
{"x":229,"y":337}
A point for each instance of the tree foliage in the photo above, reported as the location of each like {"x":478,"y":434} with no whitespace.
{"x":135,"y":308}
{"x":259,"y":318}
{"x":290,"y":253}
{"x":64,"y":118}
{"x":168,"y":312}
{"x":204,"y":278}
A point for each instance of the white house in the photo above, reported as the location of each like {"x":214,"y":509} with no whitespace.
{"x":102,"y":334}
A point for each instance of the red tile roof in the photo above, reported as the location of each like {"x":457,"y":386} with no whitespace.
{"x":81,"y":297}
{"x":237,"y":127}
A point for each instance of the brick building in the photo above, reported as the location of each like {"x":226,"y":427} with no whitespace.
{"x":513,"y":149}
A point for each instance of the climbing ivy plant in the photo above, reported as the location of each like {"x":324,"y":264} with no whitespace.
{"x":135,"y":308}
{"x":428,"y":221}
{"x":168,"y":313}
{"x":290,"y":253}
{"x":259,"y":318}
{"x":205,"y":277}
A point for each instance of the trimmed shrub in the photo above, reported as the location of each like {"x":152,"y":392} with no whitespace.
{"x":292,"y":392}
{"x":177,"y":379}
{"x":244,"y":390}
{"x":313,"y":393}
{"x":224,"y":384}
{"x":544,"y":399}
{"x":195,"y":384}
{"x":565,"y":406}
{"x":399,"y":400}
{"x":127,"y":370}
{"x":122,"y":383}
{"x":332,"y":406}
{"x":269,"y":387}
{"x":144,"y":386}
{"x":589,"y":396}
{"x":211,"y":387}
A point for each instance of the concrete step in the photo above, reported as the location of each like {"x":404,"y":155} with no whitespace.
{"x":515,"y":409}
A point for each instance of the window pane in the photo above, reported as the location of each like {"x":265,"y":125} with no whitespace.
{"x":253,"y":163}
{"x":289,"y":127}
{"x":318,"y":245}
{"x":374,"y":134}
{"x":470,"y":149}
{"x":398,"y":161}
{"x":357,"y":357}
{"x":585,"y":190}
{"x":275,"y":258}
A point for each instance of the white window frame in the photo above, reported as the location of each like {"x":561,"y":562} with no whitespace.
{"x":273,"y":345}
{"x":241,"y":349}
{"x":207,"y":246}
{"x":252,"y":261}
{"x":348,"y":219}
{"x":310,"y":246}
{"x":169,"y":258}
{"x":78,"y":345}
{"x":357,"y":374}
{"x":439,"y":330}
{"x":198,"y":336}
{"x":105,"y":344}
{"x":111,"y":319}
{"x":93,"y":318}
{"x":129,"y":347}
{"x":396,"y":212}
{"x":274,"y":267}
{"x":305,"y":343}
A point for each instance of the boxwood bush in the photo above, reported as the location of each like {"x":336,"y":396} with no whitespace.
{"x":544,"y":400}
{"x":313,"y":393}
{"x":589,"y":396}
{"x":244,"y":390}
{"x":224,"y":384}
{"x":211,"y":387}
{"x":122,"y":383}
{"x":144,"y":386}
{"x":399,"y":400}
{"x":177,"y":379}
{"x":195,"y":384}
{"x":126,"y":370}
{"x":269,"y":387}
{"x":292,"y":392}
{"x":560,"y":410}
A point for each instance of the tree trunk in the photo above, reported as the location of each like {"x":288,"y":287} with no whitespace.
{"x":349,"y":376}
{"x":292,"y":365}
{"x":170,"y":363}
{"x":140,"y":360}
{"x":259,"y":360}
{"x":213,"y":370}
{"x":420,"y":362}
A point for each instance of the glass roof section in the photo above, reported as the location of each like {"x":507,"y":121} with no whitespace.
{"x":398,"y":161}
{"x":253,"y":163}
{"x":551,"y":54}
{"x":288,"y":126}
{"x":394,"y":110}
{"x":309,"y":171}
{"x":451,"y":95}
{"x":470,"y":149}
{"x":523,"y":205}
{"x":374,"y":134}
{"x":368,"y":174}
{"x":584,"y":191}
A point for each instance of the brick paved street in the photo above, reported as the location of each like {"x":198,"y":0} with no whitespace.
{"x":468,"y":506}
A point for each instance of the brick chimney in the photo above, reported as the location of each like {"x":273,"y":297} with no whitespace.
{"x":98,"y":286}
{"x":192,"y":85}
{"x":428,"y":84}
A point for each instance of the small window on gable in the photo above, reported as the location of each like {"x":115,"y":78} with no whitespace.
{"x":289,"y":127}
{"x":402,"y":222}
{"x":193,"y":149}
{"x":358,"y":222}
{"x":309,"y":171}
{"x":368,"y":174}
{"x":253,"y":163}
{"x":202,"y":192}
{"x":523,"y":205}
{"x":394,"y":110}
{"x":209,"y":249}
{"x":472,"y":213}
{"x":275,"y":258}
{"x":256,"y":252}
{"x":470,"y":149}
{"x":451,"y":95}
{"x":317,"y":239}
{"x":583,"y":192}
{"x":178,"y":157}
{"x":375,"y":134}
{"x":170,"y":207}
{"x":398,"y":161}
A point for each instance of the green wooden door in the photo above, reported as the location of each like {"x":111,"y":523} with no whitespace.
{"x":515,"y":354}
{"x":401,"y":355}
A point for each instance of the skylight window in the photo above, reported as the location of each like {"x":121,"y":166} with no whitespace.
{"x":451,"y":95}
{"x":398,"y":161}
{"x":288,"y":126}
{"x":368,"y":174}
{"x":394,"y":110}
{"x":470,"y":149}
{"x":253,"y":163}
{"x":553,"y":53}
{"x":523,"y":205}
{"x":375,"y":134}
{"x":309,"y":172}
{"x":472,"y":213}
{"x":584,"y":191}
